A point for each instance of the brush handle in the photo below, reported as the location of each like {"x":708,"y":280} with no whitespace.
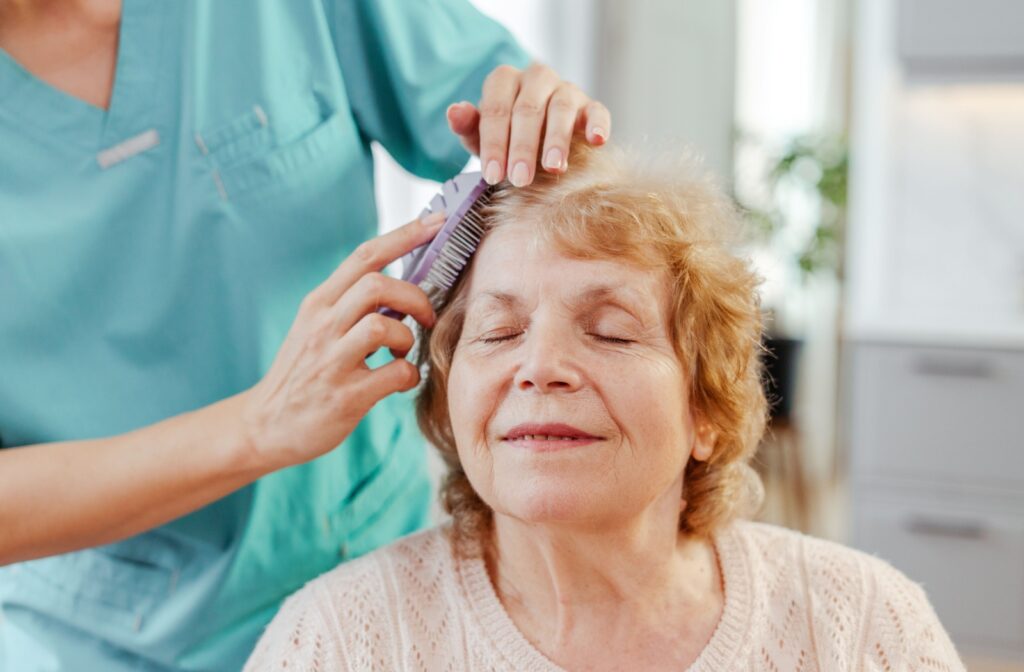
{"x":456,"y":197}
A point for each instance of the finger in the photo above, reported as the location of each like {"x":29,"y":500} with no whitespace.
{"x":528,"y":113}
{"x":596,"y":121}
{"x":464,"y":120}
{"x":396,"y":376}
{"x":376,"y":290}
{"x":564,"y":109}
{"x":373,"y":255}
{"x":499,"y":93}
{"x":369,"y":335}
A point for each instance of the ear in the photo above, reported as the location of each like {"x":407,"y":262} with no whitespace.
{"x":703,"y":441}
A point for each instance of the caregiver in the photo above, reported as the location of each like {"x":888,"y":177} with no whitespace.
{"x":179,"y":183}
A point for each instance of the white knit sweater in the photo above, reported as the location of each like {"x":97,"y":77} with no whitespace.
{"x":791,"y":603}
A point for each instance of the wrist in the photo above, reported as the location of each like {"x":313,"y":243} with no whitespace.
{"x":242,"y":449}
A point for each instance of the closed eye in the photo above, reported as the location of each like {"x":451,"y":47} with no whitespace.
{"x":612,"y":339}
{"x":498,"y":338}
{"x":508,"y":337}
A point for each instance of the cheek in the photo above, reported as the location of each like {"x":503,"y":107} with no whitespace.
{"x":459,"y":402}
{"x":468,"y":400}
{"x":470,"y":406}
{"x":652,"y":402}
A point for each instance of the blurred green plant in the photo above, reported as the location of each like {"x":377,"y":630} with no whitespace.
{"x":814,"y":165}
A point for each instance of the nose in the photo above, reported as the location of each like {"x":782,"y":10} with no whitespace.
{"x":548,"y":363}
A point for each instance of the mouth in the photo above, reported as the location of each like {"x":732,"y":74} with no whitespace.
{"x":548,"y":437}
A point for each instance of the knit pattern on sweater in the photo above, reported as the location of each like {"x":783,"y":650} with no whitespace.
{"x":792,"y":603}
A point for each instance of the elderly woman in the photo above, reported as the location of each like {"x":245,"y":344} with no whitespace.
{"x":594,"y":387}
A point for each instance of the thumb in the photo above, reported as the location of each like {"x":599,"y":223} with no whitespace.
{"x":464,"y":121}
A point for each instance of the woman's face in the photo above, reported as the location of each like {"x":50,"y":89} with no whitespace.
{"x":567,"y":401}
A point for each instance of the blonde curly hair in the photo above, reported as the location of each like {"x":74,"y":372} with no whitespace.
{"x":660,"y":214}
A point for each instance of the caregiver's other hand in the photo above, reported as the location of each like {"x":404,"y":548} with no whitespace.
{"x":521,"y":113}
{"x":319,"y":386}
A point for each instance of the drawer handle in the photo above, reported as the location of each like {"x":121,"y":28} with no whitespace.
{"x":944,"y":528}
{"x":931,"y":366}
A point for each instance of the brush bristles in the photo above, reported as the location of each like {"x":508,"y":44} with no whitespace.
{"x":458,"y":248}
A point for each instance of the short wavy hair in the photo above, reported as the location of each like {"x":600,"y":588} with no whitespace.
{"x":657,"y":213}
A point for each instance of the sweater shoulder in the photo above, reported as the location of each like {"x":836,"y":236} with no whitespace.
{"x":300,"y":636}
{"x":858,"y":609}
{"x":395,"y":608}
{"x":364,"y":614}
{"x":826,"y":572}
{"x":822,"y":568}
{"x":830,"y":568}
{"x":381,"y":588}
{"x":415,"y":557}
{"x":779,"y":547}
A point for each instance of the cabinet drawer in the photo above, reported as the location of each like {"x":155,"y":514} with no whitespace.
{"x":937,"y":414}
{"x":971,"y":564}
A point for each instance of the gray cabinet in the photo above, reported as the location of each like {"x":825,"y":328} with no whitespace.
{"x":936,"y":445}
{"x":951,"y":36}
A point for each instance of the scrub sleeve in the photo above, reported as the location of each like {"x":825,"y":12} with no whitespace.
{"x":152,"y":259}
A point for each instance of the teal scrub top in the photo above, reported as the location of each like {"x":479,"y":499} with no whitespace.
{"x":152,"y":259}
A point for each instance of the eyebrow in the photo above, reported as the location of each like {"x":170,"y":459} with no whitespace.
{"x":591,"y":294}
{"x":505,"y":299}
{"x":604,"y":293}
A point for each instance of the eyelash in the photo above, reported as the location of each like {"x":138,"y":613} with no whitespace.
{"x":612,"y":339}
{"x":606,"y":339}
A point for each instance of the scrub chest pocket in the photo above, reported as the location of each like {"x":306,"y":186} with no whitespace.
{"x":288,"y":179}
{"x":293,"y":145}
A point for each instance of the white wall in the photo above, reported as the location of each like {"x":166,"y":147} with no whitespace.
{"x":937,"y":208}
{"x":666,"y":71}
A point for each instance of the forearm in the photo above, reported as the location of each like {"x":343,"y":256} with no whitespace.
{"x":60,"y":497}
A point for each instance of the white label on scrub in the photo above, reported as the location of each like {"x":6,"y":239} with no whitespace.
{"x":129,"y":148}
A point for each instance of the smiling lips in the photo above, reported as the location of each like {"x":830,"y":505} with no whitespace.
{"x":545,"y":437}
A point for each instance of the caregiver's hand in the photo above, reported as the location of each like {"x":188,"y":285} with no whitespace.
{"x":66,"y":495}
{"x":319,"y":386}
{"x":521,"y":113}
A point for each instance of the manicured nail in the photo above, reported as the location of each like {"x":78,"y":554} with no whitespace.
{"x":520,"y":174}
{"x":493,"y":173}
{"x":598,"y":133}
{"x":553,"y":159}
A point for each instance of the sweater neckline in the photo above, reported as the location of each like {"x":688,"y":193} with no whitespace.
{"x":718,"y":654}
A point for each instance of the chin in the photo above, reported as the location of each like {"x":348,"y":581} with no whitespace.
{"x":541,"y":500}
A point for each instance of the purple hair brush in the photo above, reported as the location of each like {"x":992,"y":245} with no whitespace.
{"x":435,"y":266}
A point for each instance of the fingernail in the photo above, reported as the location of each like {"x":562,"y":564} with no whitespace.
{"x":553,"y":159}
{"x":520,"y":174}
{"x":598,"y":133}
{"x":493,"y":173}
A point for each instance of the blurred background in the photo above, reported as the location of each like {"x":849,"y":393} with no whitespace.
{"x":876,"y":148}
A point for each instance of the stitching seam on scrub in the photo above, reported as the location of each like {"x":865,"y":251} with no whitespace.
{"x":201,"y":145}
{"x":261,"y":116}
{"x":220,"y":185}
